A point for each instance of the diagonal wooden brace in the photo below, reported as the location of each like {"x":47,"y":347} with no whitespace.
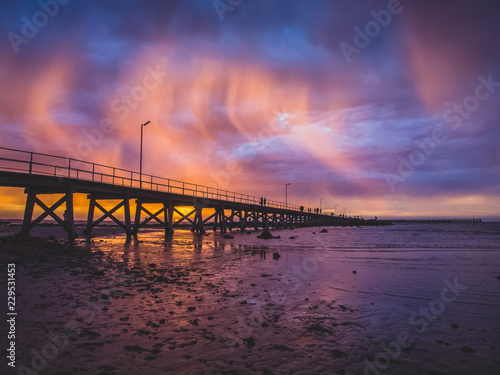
{"x":184,"y":217}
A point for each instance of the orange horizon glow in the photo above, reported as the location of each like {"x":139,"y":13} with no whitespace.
{"x":242,"y":123}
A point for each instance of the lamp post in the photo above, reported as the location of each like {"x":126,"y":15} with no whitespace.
{"x":335,"y":212}
{"x":140,"y":167}
{"x":286,"y":195}
{"x":320,"y":201}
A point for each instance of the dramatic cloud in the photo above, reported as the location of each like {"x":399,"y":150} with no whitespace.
{"x":381,"y":106}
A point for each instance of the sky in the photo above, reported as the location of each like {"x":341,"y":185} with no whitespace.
{"x":382,"y":108}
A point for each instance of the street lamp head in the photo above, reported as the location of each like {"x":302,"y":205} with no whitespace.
{"x":146,"y":123}
{"x":288,"y":184}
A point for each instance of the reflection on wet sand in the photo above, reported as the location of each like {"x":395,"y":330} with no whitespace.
{"x":204,"y":304}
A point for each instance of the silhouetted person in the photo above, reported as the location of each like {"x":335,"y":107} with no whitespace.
{"x":261,"y":201}
{"x":264,"y":201}
{"x":301,"y":208}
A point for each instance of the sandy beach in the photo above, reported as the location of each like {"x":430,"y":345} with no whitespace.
{"x":204,"y":304}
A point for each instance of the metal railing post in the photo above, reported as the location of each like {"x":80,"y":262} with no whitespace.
{"x":31,"y":163}
{"x":69,"y":168}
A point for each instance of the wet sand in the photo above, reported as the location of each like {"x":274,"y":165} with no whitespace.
{"x":204,"y":304}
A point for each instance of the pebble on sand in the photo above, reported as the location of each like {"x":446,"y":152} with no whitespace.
{"x":228,"y":236}
{"x":276,"y":256}
{"x":266,"y":235}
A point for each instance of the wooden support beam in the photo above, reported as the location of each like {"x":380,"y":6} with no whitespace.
{"x":265,"y":220}
{"x":93,"y":204}
{"x":208,"y":218}
{"x":154,"y":216}
{"x":126,"y":207}
{"x":168,"y":214}
{"x":184,"y":217}
{"x":67,"y":222}
{"x":90,"y":216}
{"x":198,"y":221}
{"x":220,"y":220}
{"x":108,"y":214}
{"x":49,"y":212}
{"x":137,"y":221}
{"x":69,"y":218}
{"x":28,"y":213}
{"x":138,"y":224}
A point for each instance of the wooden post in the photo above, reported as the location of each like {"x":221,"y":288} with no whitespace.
{"x":126,"y":208}
{"x":70,"y":217}
{"x":28,"y":213}
{"x":90,"y":216}
{"x":168,"y":218}
{"x":137,"y":223}
{"x":198,"y":221}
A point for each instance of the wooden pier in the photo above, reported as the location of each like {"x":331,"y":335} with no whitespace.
{"x":158,"y":199}
{"x":429,"y":221}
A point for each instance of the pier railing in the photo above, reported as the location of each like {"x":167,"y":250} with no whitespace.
{"x":33,"y":163}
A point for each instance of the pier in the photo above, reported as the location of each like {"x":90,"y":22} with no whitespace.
{"x":423,"y":221}
{"x":156,"y":199}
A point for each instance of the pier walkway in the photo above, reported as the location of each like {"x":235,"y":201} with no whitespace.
{"x":155,"y":198}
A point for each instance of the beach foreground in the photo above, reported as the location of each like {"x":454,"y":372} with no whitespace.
{"x":396,"y":300}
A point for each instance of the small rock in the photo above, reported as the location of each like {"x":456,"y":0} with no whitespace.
{"x":324,"y":231}
{"x":338,"y":353}
{"x":228,"y":236}
{"x":266,"y":235}
{"x":250,"y":342}
{"x":455,"y":326}
{"x":276,"y":256}
{"x":134,"y":348}
{"x":292,"y":237}
{"x":467,"y":349}
{"x":354,"y":272}
{"x":283,"y":348}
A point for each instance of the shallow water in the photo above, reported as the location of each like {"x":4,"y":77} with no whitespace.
{"x":329,"y":303}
